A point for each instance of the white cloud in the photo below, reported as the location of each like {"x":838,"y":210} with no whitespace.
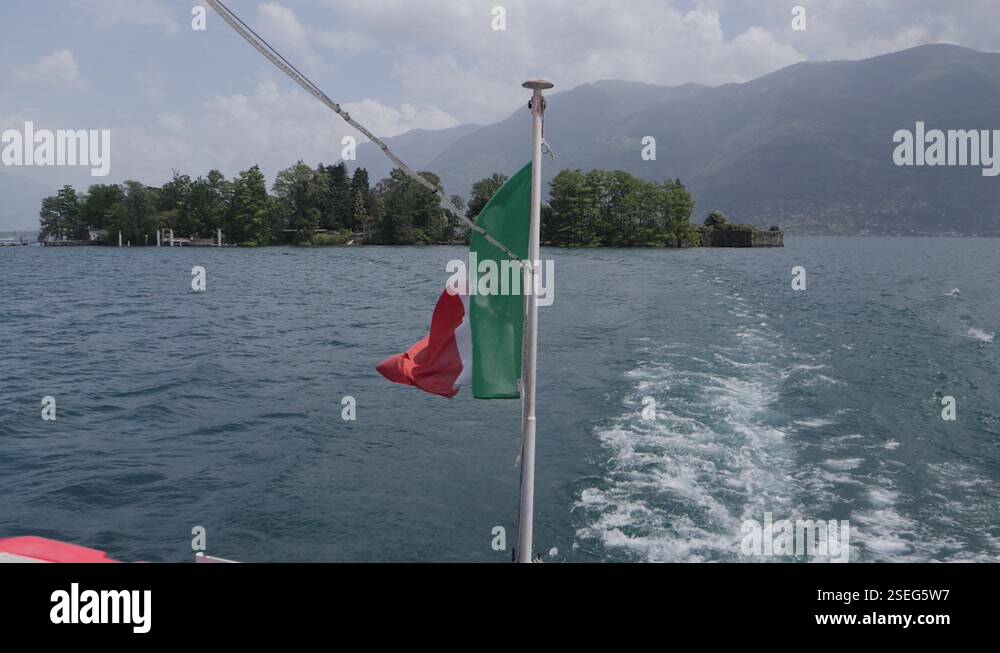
{"x":344,"y":41}
{"x":281,"y":27}
{"x":445,"y":50}
{"x":386,"y":121}
{"x":271,"y":127}
{"x":149,"y":13}
{"x":440,"y":59}
{"x":475,"y":72}
{"x":171,"y":122}
{"x":58,"y":68}
{"x":856,"y":29}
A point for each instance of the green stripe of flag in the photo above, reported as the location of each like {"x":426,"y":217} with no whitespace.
{"x":498,"y":320}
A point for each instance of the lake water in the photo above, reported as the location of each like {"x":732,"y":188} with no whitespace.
{"x":223,"y":409}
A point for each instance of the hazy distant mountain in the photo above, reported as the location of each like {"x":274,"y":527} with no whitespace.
{"x":417,"y":148}
{"x":579,"y":127}
{"x":809,"y":146}
{"x":20,"y":200}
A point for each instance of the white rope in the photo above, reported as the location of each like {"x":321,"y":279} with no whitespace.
{"x":282,"y":64}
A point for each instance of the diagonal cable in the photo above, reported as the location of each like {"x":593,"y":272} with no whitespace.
{"x":299,"y":78}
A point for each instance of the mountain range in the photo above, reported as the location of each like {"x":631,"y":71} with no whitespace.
{"x":809,"y":147}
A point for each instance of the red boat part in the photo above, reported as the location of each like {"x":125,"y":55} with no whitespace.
{"x":40,"y":549}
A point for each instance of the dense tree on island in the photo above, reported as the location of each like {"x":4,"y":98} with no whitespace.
{"x":567,"y":202}
{"x":136,"y":217}
{"x":458,"y":229}
{"x":329,"y":205}
{"x":411,"y":214}
{"x":616,"y":209}
{"x":678,"y":207}
{"x":361,"y":185}
{"x":174,"y":202}
{"x":251,"y":215}
{"x":482,"y":192}
{"x":362,"y":221}
{"x":339,"y":205}
{"x":60,"y":214}
{"x":97,"y":206}
{"x":302,"y":194}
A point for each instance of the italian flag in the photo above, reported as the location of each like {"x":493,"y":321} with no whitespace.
{"x":476,"y":339}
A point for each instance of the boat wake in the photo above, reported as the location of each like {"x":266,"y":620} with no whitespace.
{"x":679,"y":486}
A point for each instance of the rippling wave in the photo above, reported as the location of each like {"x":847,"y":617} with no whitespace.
{"x":223,"y":409}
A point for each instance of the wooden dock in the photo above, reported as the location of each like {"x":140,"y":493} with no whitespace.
{"x":68,"y":243}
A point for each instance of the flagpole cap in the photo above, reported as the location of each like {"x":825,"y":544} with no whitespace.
{"x":538,"y":85}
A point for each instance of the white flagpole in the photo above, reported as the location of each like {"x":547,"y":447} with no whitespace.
{"x":526,"y":517}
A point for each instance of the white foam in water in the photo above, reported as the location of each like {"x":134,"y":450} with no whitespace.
{"x":815,"y":423}
{"x":880,"y":531}
{"x":882,"y":498}
{"x":884,"y":533}
{"x":679,"y":488}
{"x":980,"y":335}
{"x":843,"y":464}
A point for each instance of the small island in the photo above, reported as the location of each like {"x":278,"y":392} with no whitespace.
{"x":718,"y":231}
{"x":328,"y":205}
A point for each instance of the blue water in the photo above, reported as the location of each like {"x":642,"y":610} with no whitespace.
{"x":223,"y":409}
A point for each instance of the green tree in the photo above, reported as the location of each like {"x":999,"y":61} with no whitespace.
{"x":717,"y":220}
{"x":362,"y":220}
{"x":411,"y":215}
{"x":301,"y":193}
{"x":196,"y":210}
{"x":206,"y":205}
{"x":137,"y":216}
{"x":361,"y":184}
{"x":678,"y":207}
{"x":338,"y":212}
{"x":457,"y":229}
{"x":173,"y":203}
{"x":482,"y":192}
{"x":60,"y":215}
{"x":250,"y":215}
{"x":568,"y":200}
{"x":621,"y":213}
{"x":429,"y":217}
{"x":378,"y":213}
{"x":220,"y":192}
{"x":612,"y":208}
{"x":649,"y":214}
{"x":597,"y":187}
{"x":97,"y":205}
{"x":546,"y":226}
